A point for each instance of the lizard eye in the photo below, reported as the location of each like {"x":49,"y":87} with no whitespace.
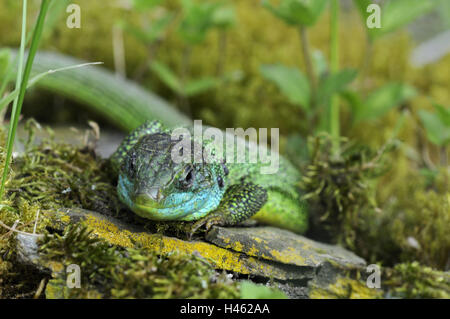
{"x":190,"y":176}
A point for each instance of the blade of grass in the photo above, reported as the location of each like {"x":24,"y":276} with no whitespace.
{"x":11,"y":96}
{"x":23,"y":86}
{"x":21,"y":53}
{"x":18,"y":81}
{"x":54,"y":11}
{"x":25,"y":39}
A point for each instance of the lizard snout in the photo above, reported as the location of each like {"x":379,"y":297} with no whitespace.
{"x":151,"y":195}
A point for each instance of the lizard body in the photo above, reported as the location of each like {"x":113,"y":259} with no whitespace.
{"x":272,"y":199}
{"x":210,"y":192}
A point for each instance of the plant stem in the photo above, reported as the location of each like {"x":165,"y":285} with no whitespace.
{"x":23,"y":85}
{"x":334,"y":67}
{"x":306,"y":50}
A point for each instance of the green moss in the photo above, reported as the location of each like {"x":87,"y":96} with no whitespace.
{"x":114,"y":272}
{"x":409,"y":224}
{"x":416,"y":229}
{"x":412,"y":280}
{"x":53,"y":174}
{"x":340,"y":189}
{"x":405,"y":280}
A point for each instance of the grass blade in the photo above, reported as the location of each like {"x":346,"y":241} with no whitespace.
{"x":23,"y":86}
{"x":11,"y":96}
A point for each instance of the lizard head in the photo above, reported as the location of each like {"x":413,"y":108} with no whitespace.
{"x":155,"y":186}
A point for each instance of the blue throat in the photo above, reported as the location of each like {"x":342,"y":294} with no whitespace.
{"x":186,"y":206}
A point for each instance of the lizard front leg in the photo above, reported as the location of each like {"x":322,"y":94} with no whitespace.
{"x":240,"y":202}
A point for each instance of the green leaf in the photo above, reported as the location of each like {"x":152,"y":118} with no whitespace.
{"x":290,"y":81}
{"x":153,"y":33}
{"x":55,"y":13}
{"x":224,"y":17}
{"x":362,"y":6}
{"x":353,"y":99}
{"x":335,"y":83}
{"x":395,"y":14}
{"x":195,"y":87}
{"x":443,"y":113}
{"x":157,"y":29}
{"x":138,"y":33}
{"x":297,"y":12}
{"x":382,"y":100}
{"x":197,"y":20}
{"x":250,"y":290}
{"x":167,"y":76}
{"x":437,"y":131}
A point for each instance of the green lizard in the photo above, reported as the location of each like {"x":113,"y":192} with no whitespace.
{"x":148,"y":182}
{"x":210,"y":192}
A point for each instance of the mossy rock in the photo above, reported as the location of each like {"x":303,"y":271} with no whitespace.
{"x":294,"y":263}
{"x":286,"y":260}
{"x":256,"y":252}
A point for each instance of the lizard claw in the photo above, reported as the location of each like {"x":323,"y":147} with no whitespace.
{"x":209,"y":221}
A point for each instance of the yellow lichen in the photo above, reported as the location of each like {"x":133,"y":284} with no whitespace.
{"x":221,"y":258}
{"x":345,"y":288}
